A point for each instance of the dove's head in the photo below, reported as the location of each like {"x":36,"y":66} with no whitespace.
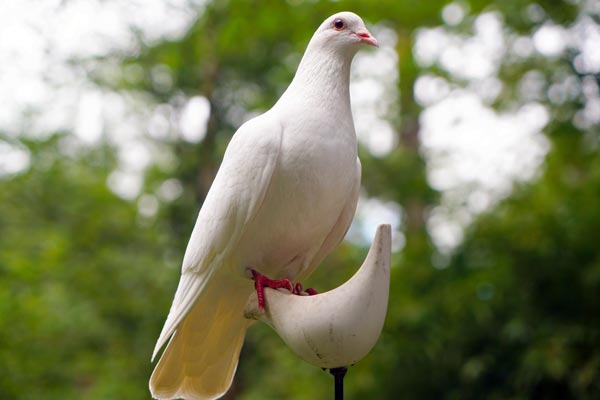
{"x":344,"y":31}
{"x":325,"y":66}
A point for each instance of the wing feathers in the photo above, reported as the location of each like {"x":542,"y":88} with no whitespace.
{"x":233,"y":200}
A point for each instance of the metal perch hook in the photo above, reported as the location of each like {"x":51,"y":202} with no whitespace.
{"x":337,"y":328}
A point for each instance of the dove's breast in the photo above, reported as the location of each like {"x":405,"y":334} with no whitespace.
{"x":313,"y":181}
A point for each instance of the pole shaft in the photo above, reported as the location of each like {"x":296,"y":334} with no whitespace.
{"x":338,"y":380}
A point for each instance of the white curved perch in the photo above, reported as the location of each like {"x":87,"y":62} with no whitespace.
{"x":339,"y":327}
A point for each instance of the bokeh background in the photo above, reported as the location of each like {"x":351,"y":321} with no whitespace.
{"x":479,"y":136}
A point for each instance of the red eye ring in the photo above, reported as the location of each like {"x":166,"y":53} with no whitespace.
{"x":339,"y":24}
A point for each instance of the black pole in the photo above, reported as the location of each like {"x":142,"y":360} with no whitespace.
{"x":338,"y":380}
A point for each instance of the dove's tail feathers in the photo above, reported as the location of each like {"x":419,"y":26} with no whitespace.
{"x":191,"y":287}
{"x":201,"y":357}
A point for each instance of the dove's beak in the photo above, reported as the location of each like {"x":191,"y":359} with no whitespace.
{"x":366,"y":38}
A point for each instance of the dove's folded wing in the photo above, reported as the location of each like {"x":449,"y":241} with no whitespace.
{"x":232,"y":201}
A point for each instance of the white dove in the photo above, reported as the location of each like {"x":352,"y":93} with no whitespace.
{"x":282,"y":199}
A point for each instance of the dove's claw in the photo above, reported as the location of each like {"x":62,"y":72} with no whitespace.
{"x":302,"y":292}
{"x":261,"y":282}
{"x":298,"y":288}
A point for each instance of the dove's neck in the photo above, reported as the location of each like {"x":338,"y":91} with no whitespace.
{"x":322,"y":79}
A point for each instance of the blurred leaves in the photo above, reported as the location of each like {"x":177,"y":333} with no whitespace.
{"x":78,"y":279}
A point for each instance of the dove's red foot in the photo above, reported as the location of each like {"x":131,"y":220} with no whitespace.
{"x":261,"y":282}
{"x":299,"y":291}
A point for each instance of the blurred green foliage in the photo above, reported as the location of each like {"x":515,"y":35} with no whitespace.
{"x":77,"y":284}
{"x":86,"y":279}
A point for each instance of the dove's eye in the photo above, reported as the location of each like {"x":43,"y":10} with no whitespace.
{"x":339,"y":24}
